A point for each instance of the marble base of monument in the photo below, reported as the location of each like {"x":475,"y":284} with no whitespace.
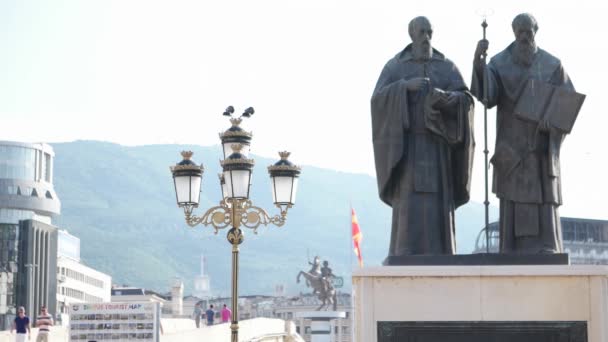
{"x":524,"y":303}
{"x":321,"y":325}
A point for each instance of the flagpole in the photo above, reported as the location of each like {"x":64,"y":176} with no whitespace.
{"x":350,"y":237}
{"x":350,"y":253}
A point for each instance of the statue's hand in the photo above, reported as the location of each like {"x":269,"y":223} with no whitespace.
{"x":452,"y":99}
{"x":544,"y":125}
{"x":417,"y":83}
{"x":442,"y":99}
{"x":482,"y":48}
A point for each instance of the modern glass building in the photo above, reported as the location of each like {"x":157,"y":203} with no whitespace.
{"x":585,"y":240}
{"x":26,"y":193}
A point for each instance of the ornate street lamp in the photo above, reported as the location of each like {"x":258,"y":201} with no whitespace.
{"x":235,"y":209}
{"x":237,"y":173}
{"x":236,"y":135}
{"x":284,"y":177}
{"x":187,"y":177}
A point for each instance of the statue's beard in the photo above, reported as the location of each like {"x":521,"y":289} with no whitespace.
{"x":422,"y":51}
{"x":524,"y":53}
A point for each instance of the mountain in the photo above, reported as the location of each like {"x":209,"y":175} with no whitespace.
{"x":120,"y":202}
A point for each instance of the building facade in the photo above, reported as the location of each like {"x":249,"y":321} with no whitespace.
{"x":26,"y":193}
{"x":36,"y":271}
{"x":585,"y":240}
{"x":286,"y":308}
{"x":127,"y":294}
{"x":177,"y":298}
{"x":76,"y":282}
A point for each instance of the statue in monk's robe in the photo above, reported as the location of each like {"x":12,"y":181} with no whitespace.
{"x":536,"y":108}
{"x":422,"y":121}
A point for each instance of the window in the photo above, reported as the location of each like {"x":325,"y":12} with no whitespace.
{"x":17,"y":162}
{"x":47,"y":167}
{"x":26,"y":191}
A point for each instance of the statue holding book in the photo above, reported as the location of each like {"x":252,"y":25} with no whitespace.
{"x":537,"y":107}
{"x":422,"y":129}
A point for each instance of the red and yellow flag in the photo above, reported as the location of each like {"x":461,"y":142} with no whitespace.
{"x":357,"y":236}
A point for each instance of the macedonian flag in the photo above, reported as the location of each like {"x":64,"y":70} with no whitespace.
{"x":357,"y":236}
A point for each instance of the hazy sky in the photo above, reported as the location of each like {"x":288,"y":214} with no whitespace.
{"x":148,"y":72}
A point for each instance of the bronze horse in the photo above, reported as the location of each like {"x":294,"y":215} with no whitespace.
{"x":322,"y":288}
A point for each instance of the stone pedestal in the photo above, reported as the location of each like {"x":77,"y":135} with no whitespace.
{"x":320,"y":326}
{"x":481,"y":303}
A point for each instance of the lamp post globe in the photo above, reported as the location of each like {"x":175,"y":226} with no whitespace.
{"x":237,"y":173}
{"x":187,"y":177}
{"x":284,"y":178}
{"x":235,"y":135}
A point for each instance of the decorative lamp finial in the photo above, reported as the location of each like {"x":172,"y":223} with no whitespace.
{"x":284,"y":155}
{"x":235,"y":121}
{"x":187,"y":154}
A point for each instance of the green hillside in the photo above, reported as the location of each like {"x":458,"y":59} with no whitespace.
{"x":120,"y":202}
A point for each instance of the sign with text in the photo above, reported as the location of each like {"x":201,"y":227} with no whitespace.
{"x":96,"y":322}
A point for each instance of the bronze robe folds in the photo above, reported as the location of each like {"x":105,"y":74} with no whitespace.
{"x":526,"y":161}
{"x":423,"y":156}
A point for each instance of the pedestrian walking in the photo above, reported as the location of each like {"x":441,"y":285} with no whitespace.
{"x":210,"y":315}
{"x":226,"y":314}
{"x":197,"y":314}
{"x":44,"y":321}
{"x":22,"y":325}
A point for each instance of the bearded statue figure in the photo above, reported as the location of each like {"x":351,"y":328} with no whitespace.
{"x":422,"y":130}
{"x":526,"y":166}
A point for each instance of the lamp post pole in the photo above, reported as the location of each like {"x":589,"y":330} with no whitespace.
{"x":235,"y":238}
{"x":235,"y":210}
{"x":235,"y":235}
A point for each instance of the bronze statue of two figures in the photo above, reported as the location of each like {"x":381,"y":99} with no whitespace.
{"x":320,"y":279}
{"x":422,"y":120}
